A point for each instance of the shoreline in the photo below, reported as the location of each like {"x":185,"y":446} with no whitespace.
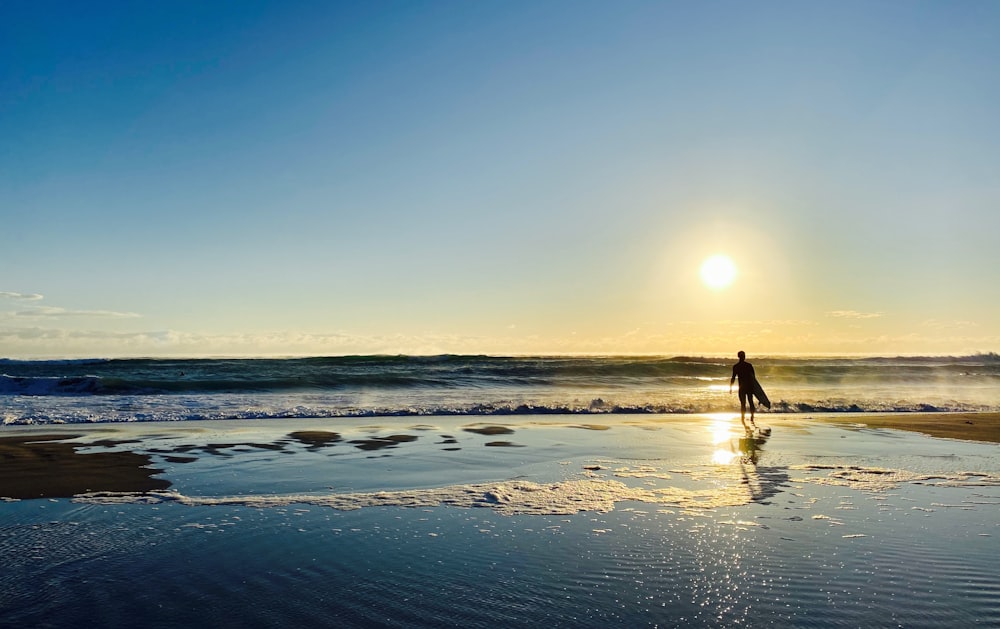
{"x":964,"y":425}
{"x":60,"y":461}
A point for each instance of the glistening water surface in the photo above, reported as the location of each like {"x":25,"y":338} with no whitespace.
{"x":813,"y":526}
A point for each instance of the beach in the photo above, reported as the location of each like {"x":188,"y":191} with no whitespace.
{"x":620,"y":520}
{"x":43,"y":463}
{"x":431,"y":315}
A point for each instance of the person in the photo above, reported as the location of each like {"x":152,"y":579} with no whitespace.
{"x":743,"y":371}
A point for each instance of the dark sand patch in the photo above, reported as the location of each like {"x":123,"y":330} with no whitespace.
{"x":42,"y":466}
{"x":377,"y":443}
{"x":316,"y":439}
{"x":490,"y":430}
{"x":503,"y":444}
{"x":967,"y":426}
{"x":267,"y":446}
{"x":180,"y":459}
{"x":592,"y":426}
{"x":217,"y":449}
{"x":111,"y":443}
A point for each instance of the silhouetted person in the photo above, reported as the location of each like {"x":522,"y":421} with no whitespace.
{"x":744,"y":372}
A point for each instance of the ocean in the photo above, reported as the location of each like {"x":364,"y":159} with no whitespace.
{"x":155,"y":390}
{"x":473,"y":491}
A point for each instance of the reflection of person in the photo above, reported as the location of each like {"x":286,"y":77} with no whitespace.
{"x":750,"y":449}
{"x":744,"y":372}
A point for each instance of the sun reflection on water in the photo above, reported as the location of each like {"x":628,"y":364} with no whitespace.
{"x":720,"y":428}
{"x":723,"y":457}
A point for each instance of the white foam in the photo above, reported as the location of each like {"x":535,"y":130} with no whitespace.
{"x":876,"y":479}
{"x":499,"y":496}
{"x":726,"y":487}
{"x":506,"y":498}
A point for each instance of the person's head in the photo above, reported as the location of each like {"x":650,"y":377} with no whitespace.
{"x":741,"y":355}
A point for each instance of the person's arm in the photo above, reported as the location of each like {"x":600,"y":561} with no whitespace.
{"x":732,"y":380}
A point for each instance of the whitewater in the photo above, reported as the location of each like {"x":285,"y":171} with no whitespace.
{"x":151,"y":390}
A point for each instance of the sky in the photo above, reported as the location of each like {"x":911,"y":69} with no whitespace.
{"x":288,"y":178}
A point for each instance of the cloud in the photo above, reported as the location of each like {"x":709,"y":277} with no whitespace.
{"x":758,"y":323}
{"x":20,"y":296}
{"x":854,"y":314}
{"x":936,"y":324}
{"x":50,"y":312}
{"x":38,"y":340}
{"x":67,"y":343}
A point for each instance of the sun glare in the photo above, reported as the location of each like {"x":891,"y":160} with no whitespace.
{"x":718,"y":272}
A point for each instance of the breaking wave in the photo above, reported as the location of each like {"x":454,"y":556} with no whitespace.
{"x":404,"y":386}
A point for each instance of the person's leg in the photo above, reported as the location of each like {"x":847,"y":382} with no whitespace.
{"x":743,"y":409}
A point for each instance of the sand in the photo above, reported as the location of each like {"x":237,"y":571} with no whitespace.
{"x":44,"y":466}
{"x":967,"y":426}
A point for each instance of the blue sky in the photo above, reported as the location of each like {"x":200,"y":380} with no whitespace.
{"x":522,"y":177}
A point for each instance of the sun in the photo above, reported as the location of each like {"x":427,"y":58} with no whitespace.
{"x":718,"y":272}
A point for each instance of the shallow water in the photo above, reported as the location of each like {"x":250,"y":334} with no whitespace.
{"x":830,"y":527}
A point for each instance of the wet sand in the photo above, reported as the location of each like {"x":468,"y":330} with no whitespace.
{"x":966,"y":426}
{"x":61,"y":462}
{"x":45,"y":466}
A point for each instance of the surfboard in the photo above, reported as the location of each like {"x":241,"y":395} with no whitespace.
{"x":758,"y":392}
